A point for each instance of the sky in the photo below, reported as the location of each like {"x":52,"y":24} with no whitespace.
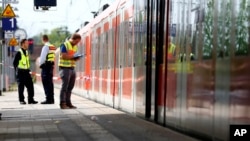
{"x":70,"y":13}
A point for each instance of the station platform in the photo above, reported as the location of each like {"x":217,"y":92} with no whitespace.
{"x":89,"y":122}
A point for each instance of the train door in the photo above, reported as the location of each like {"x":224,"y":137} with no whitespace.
{"x":180,"y":60}
{"x":194,"y":77}
{"x":109,"y":99}
{"x":113,"y":60}
{"x":187,"y":90}
{"x":94,"y":64}
{"x":140,"y":52}
{"x":231,"y":37}
{"x":96,"y":61}
{"x":150,"y":63}
{"x":87,"y":73}
{"x":155,"y":59}
{"x":115,"y":72}
{"x":101,"y":67}
{"x":168,"y":98}
{"x":126,"y":58}
{"x":120,"y":51}
{"x":106,"y":54}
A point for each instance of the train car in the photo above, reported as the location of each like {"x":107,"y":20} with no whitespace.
{"x":180,"y":63}
{"x":107,"y":68}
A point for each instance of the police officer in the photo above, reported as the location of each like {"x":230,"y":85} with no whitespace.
{"x":67,"y":63}
{"x":47,"y":59}
{"x":22,"y":68}
{"x":171,"y":49}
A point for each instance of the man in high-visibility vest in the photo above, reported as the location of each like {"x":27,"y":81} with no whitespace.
{"x":67,"y":62}
{"x":47,"y":59}
{"x":171,"y":49}
{"x":21,"y":64}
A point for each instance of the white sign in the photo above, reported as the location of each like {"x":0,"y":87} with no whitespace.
{"x":9,"y":35}
{"x":20,"y":34}
{"x":10,"y":1}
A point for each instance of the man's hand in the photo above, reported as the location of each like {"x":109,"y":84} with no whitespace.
{"x":41,"y":66}
{"x":77,"y":56}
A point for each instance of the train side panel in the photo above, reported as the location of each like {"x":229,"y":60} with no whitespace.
{"x":201,"y":88}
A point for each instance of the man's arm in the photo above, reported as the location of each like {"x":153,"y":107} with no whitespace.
{"x":65,"y":54}
{"x":16,"y":59}
{"x":44,"y":53}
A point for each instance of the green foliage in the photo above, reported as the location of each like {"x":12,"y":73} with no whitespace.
{"x":56,"y":37}
{"x":224,"y":28}
{"x":208,"y":30}
{"x":242,"y":32}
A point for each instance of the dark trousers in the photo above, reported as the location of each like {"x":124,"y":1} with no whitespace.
{"x":24,"y":79}
{"x":47,"y":80}
{"x":68,"y":77}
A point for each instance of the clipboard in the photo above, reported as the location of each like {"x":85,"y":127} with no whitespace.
{"x":78,"y":56}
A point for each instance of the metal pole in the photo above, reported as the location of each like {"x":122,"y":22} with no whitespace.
{"x":1,"y":45}
{"x":3,"y":55}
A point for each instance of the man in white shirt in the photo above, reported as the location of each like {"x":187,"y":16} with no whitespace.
{"x":47,"y":58}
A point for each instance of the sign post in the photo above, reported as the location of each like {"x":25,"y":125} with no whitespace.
{"x":8,"y":23}
{"x":1,"y":48}
{"x":8,"y":12}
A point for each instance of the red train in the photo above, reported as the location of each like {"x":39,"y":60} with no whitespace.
{"x":200,"y":86}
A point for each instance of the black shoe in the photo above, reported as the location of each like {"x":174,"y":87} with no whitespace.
{"x":71,"y":106}
{"x":47,"y":102}
{"x":64,"y":106}
{"x":32,"y":102}
{"x":22,"y":102}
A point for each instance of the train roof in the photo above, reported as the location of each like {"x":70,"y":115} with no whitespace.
{"x":103,"y":15}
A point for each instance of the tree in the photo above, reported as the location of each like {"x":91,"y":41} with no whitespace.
{"x":56,"y":36}
{"x":242,"y":32}
{"x":208,"y":30}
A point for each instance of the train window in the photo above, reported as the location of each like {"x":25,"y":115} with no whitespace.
{"x":112,"y":47}
{"x":126,"y":42}
{"x":130,"y":42}
{"x":117,"y":37}
{"x":121,"y":46}
{"x":101,"y":51}
{"x":139,"y":39}
{"x":106,"y":49}
{"x":126,"y":56}
{"x":98,"y":41}
{"x":104,"y":45}
{"x":81,"y":49}
{"x":95,"y":47}
{"x":93,"y":53}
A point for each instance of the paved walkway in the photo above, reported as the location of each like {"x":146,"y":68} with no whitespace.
{"x":89,"y":122}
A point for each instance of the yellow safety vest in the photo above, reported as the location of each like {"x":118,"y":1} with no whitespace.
{"x":24,"y":62}
{"x":171,"y":50}
{"x":68,"y":62}
{"x":51,"y":55}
